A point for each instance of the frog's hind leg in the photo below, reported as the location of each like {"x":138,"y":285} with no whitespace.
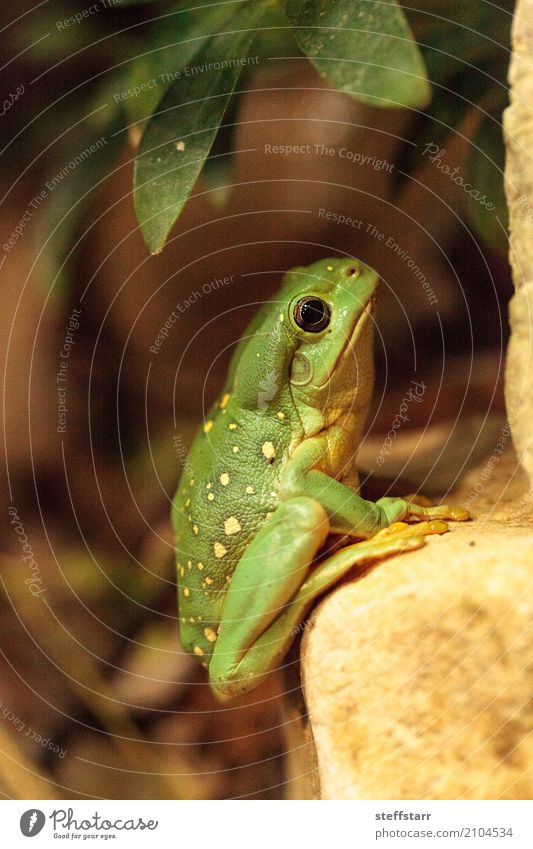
{"x":270,"y":572}
{"x":392,"y":540}
{"x":260,"y":621}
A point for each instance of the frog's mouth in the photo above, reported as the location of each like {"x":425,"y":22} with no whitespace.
{"x":348,"y":348}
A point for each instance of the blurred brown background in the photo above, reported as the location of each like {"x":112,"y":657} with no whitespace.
{"x":97,"y":698}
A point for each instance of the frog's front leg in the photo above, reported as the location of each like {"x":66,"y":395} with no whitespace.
{"x":270,"y":572}
{"x":348,"y":512}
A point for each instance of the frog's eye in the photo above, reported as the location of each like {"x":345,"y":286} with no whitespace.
{"x":312,"y":314}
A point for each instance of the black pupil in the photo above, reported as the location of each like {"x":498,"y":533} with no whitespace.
{"x":312,"y":312}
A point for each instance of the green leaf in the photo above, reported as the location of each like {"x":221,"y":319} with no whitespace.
{"x":180,"y":134}
{"x":364,"y":48}
{"x":171,"y":45}
{"x":86,"y":157}
{"x":454,"y":109}
{"x":486,"y":207}
{"x":455,"y":37}
{"x":121,"y":4}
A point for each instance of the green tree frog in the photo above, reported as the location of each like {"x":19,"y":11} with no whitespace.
{"x":267,"y":514}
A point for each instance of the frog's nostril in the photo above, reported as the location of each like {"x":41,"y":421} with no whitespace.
{"x":352,"y":271}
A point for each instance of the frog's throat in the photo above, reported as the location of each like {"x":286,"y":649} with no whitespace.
{"x":351,"y":344}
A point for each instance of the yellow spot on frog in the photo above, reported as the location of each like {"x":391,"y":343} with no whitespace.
{"x":195,"y":529}
{"x":224,"y":401}
{"x":268,"y":450}
{"x":281,"y":416}
{"x":269,"y":515}
{"x":198,"y":651}
{"x":249,"y":490}
{"x":220,"y":550}
{"x":200,"y":566}
{"x":281,"y":316}
{"x":232,"y":426}
{"x":224,"y":479}
{"x":187,"y":502}
{"x":209,"y":581}
{"x":186,"y":592}
{"x":210,"y":497}
{"x":192,"y":481}
{"x":207,"y":427}
{"x":235,"y":449}
{"x":210,"y":635}
{"x":329,"y":268}
{"x":232,"y":526}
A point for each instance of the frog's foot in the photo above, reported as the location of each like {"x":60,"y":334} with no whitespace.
{"x":396,"y":539}
{"x":404,"y":530}
{"x":398,"y":509}
{"x":441,"y":511}
{"x":386,"y":544}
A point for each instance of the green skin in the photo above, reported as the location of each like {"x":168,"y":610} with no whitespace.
{"x":271,"y":475}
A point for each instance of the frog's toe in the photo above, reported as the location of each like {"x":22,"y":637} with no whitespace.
{"x":453,"y":513}
{"x":395,"y":528}
{"x":404,"y":530}
{"x":397,"y":543}
{"x":434,"y":526}
{"x":458,"y":514}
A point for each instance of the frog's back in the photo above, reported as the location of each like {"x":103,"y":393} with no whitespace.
{"x":227,"y":491}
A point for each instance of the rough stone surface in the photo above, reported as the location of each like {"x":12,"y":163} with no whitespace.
{"x":417,"y":675}
{"x":518,"y":131}
{"x":519,"y":373}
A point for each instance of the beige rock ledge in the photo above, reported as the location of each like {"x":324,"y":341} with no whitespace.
{"x":417,"y":675}
{"x":518,"y":133}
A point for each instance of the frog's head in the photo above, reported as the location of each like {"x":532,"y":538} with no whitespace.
{"x":315,"y":337}
{"x":330,"y":314}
